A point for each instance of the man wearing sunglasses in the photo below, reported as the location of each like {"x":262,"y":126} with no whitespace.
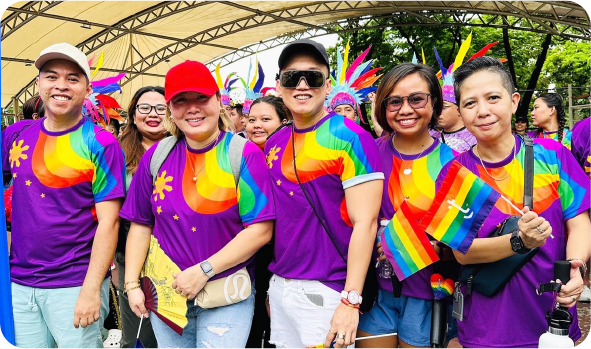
{"x":328,"y":187}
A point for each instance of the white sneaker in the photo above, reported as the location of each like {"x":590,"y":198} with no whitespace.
{"x":586,"y":295}
{"x":113,"y":339}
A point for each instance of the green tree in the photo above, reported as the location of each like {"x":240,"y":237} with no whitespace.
{"x":534,"y":59}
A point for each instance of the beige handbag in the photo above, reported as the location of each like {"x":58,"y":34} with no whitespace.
{"x":225,"y":291}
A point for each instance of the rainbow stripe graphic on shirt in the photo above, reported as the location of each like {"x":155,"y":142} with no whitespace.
{"x":459,"y":209}
{"x":215,"y":190}
{"x":66,"y":160}
{"x":566,"y":139}
{"x":419,"y":185}
{"x":549,"y":180}
{"x":327,"y":150}
{"x":406,"y":245}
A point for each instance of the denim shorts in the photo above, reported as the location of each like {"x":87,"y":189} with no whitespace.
{"x":409,"y":317}
{"x":221,"y":327}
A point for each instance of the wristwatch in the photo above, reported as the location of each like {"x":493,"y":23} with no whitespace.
{"x":207,"y":269}
{"x":517,"y":243}
{"x":352,"y":296}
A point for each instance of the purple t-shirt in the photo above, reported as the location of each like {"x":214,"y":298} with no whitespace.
{"x":194,"y":220}
{"x":581,"y":144}
{"x":331,"y":156}
{"x":460,"y":140}
{"x":566,"y":138}
{"x":58,"y":179}
{"x":561,"y":192}
{"x":419,"y":187}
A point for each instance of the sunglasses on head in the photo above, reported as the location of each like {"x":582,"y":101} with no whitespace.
{"x":292,"y":78}
{"x":416,"y":100}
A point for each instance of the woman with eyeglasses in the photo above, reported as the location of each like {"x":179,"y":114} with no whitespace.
{"x":408,"y":100}
{"x":205,"y":208}
{"x":144,"y":128}
{"x":550,"y":119}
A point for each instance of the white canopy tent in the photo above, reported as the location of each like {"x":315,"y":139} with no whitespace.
{"x":144,"y":39}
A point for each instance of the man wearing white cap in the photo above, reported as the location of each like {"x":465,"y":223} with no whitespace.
{"x":68,"y":177}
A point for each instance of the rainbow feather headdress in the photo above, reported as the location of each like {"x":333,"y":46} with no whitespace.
{"x":225,"y":87}
{"x":254,"y":86}
{"x":99,"y":107}
{"x":351,"y":86}
{"x":447,"y":74}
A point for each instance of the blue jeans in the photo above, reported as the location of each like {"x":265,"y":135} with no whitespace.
{"x":222,"y":327}
{"x":44,"y":317}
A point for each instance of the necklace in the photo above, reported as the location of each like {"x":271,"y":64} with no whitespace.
{"x":508,"y":172}
{"x":407,"y":170}
{"x":192,"y":164}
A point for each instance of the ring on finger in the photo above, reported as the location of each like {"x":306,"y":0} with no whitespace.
{"x":540,"y":230}
{"x":340,"y":336}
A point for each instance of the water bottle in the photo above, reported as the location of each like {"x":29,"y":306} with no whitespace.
{"x":384,"y":267}
{"x":560,"y":319}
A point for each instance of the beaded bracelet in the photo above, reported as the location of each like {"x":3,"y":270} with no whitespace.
{"x":347,"y":303}
{"x":126,"y":290}
{"x":129,"y":282}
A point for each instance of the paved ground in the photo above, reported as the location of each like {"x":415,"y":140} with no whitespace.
{"x":584,"y":311}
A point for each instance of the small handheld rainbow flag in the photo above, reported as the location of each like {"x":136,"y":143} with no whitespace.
{"x":406,"y":245}
{"x":459,"y":209}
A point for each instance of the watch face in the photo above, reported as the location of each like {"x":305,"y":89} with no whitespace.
{"x":206,"y":267}
{"x":515,"y":243}
{"x":353,"y":297}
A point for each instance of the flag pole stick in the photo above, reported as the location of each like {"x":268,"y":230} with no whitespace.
{"x":376,"y":336}
{"x":139,"y":327}
{"x":518,"y":210}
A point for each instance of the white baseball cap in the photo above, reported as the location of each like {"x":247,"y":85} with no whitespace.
{"x":65,"y":51}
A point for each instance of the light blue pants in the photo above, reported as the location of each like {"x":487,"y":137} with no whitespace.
{"x":44,"y":317}
{"x":222,"y":327}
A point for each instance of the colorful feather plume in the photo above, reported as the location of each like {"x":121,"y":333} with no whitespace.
{"x":253,"y":87}
{"x":225,"y":87}
{"x":351,"y":85}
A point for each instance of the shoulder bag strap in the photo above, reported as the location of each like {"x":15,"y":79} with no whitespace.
{"x":235,"y":151}
{"x":295,"y":170}
{"x":163,"y":148}
{"x":528,"y":180}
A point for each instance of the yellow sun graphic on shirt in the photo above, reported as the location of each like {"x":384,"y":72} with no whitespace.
{"x":17,"y":152}
{"x":272,"y":156}
{"x":161,"y":185}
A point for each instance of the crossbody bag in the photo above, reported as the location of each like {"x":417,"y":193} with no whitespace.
{"x":370,"y":285}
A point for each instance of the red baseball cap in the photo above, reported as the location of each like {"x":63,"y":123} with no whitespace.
{"x":189,"y":76}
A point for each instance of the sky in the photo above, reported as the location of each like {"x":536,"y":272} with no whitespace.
{"x":268,"y":61}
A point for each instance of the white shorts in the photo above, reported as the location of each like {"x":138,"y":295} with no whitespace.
{"x":301,"y":311}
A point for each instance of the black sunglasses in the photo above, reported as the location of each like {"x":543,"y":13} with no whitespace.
{"x":292,"y":78}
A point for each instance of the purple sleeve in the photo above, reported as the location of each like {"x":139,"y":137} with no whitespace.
{"x":138,"y":206}
{"x":573,"y":187}
{"x":255,"y":201}
{"x":109,"y":161}
{"x":581,"y":144}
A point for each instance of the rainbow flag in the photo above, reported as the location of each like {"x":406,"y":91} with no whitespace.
{"x":406,"y":245}
{"x":459,"y":209}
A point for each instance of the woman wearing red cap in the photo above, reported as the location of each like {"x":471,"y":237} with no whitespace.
{"x":199,"y":219}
